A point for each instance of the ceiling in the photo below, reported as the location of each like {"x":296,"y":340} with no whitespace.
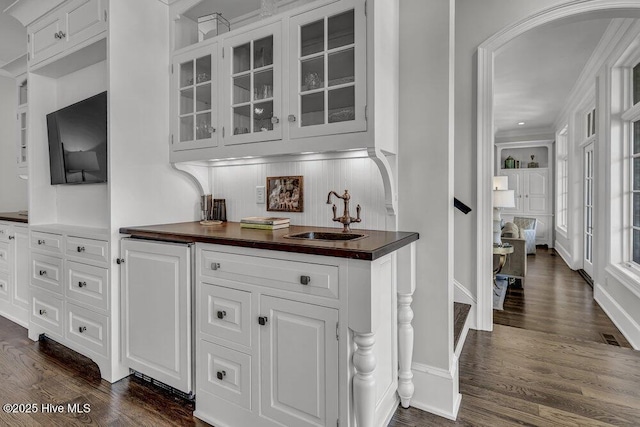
{"x":229,"y":9}
{"x":535,"y":73}
{"x":13,"y":36}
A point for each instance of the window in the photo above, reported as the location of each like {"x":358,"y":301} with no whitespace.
{"x":562,"y":181}
{"x":635,"y":168}
{"x":591,"y":123}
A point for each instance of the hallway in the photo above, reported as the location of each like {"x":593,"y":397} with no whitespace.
{"x":546,"y":362}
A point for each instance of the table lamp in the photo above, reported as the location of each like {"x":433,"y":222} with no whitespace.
{"x":502,"y":198}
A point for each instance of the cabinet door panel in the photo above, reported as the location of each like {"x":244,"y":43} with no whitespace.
{"x":88,"y":284}
{"x":225,"y":313}
{"x":46,"y":311}
{"x":46,"y":272}
{"x":536,"y":189}
{"x":515,"y":184}
{"x":44,"y":42}
{"x":5,"y":257}
{"x":89,"y":329}
{"x":299,"y":371}
{"x":85,"y":19}
{"x":21,"y":265}
{"x":5,"y":286}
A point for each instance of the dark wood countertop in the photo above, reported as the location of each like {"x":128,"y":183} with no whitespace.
{"x":14,"y":217}
{"x":376,"y":245}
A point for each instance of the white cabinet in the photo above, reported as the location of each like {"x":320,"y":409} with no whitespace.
{"x":194,"y":99}
{"x":68,"y":26}
{"x":327,"y":71}
{"x":14,"y":280}
{"x":156,"y":299}
{"x":276,"y":336}
{"x":533,"y":197}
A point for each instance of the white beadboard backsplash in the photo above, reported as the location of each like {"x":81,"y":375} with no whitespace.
{"x":237,"y":184}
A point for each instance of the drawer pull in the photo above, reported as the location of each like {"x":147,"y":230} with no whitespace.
{"x":221,"y":375}
{"x":215,"y":265}
{"x":80,"y":248}
{"x":222,"y":314}
{"x":12,"y":237}
{"x":305,"y":280}
{"x":43,"y":312}
{"x":43,"y":272}
{"x":81,"y":329}
{"x":82,"y":284}
{"x":41,"y":242}
{"x":262,"y":320}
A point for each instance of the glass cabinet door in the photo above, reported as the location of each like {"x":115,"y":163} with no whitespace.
{"x":252,"y":90}
{"x":22,"y":137}
{"x":328,"y":71}
{"x":194,"y":104}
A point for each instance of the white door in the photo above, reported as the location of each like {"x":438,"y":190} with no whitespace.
{"x":588,"y":209}
{"x":156,"y":311}
{"x":536,"y":184}
{"x":299,"y":362}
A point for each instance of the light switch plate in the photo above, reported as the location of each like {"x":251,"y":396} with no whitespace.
{"x":260,"y":194}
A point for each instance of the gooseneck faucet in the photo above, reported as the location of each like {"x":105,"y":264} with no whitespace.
{"x":345,"y":219}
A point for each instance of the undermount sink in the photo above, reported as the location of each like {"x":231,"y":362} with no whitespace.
{"x":326,"y":236}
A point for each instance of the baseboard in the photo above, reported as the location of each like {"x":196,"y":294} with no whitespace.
{"x":436,"y":390}
{"x":462,"y":294}
{"x":623,"y":321}
{"x":564,"y":254}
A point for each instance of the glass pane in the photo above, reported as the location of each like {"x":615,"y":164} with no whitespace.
{"x":23,"y":137}
{"x":636,"y":246}
{"x":636,"y":209}
{"x":342,"y":104}
{"x":23,"y":154}
{"x":203,"y":97}
{"x":23,"y":93}
{"x":636,"y":174}
{"x":588,"y":125}
{"x":203,"y":69}
{"x":242,"y":58}
{"x":312,"y":72}
{"x":186,"y":128}
{"x":262,"y":114}
{"x":203,"y":126}
{"x":186,"y":74}
{"x":341,"y":67}
{"x":593,"y":122}
{"x":312,"y":38}
{"x":241,"y":89}
{"x":341,"y":30}
{"x":23,"y":120}
{"x":588,"y":249}
{"x":186,"y":101}
{"x":312,"y":109}
{"x":588,"y":220}
{"x":241,"y":120}
{"x":636,"y":137}
{"x":263,"y":85}
{"x":636,"y":84}
{"x":263,"y":52}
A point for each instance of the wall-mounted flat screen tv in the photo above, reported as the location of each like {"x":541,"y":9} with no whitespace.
{"x":78,"y":142}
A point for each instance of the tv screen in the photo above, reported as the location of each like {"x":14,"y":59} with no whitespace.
{"x":78,"y":142}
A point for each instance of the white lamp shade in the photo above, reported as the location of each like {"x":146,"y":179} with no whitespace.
{"x":504,"y":199}
{"x":500,"y":182}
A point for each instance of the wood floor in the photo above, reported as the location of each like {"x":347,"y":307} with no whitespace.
{"x":546,"y":365}
{"x":546,"y":362}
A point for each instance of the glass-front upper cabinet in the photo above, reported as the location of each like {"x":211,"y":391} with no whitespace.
{"x":21,"y":127}
{"x":195,"y":99}
{"x":328,"y":71}
{"x":253,"y":88}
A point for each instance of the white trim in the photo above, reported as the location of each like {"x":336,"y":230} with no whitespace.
{"x":485,"y":134}
{"x":626,"y":276}
{"x":462,"y":294}
{"x":463,"y":337}
{"x":623,"y":321}
{"x":436,"y":390}
{"x":565,"y":255}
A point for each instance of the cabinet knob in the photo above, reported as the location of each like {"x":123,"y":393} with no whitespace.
{"x":222,"y":314}
{"x":527,"y":196}
{"x":119,"y":261}
{"x":215,"y":265}
{"x":275,"y":120}
{"x":82,"y":284}
{"x":59,"y":35}
{"x":12,"y":237}
{"x":221,"y":375}
{"x":305,"y":280}
{"x":42,"y":312}
{"x":262,"y":320}
{"x":43,"y":272}
{"x":80,"y":248}
{"x":292,"y":118}
{"x":41,"y":242}
{"x":81,"y":329}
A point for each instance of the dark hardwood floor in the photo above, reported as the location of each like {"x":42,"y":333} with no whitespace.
{"x":545,"y":365}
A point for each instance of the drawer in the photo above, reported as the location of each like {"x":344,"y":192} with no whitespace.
{"x":5,"y":232}
{"x":46,"y":242}
{"x":4,"y":257}
{"x":87,"y":249}
{"x":5,"y":283}
{"x":225,"y":313}
{"x":88,"y":329}
{"x":320,"y":279}
{"x":224,"y":373}
{"x":87,"y":284}
{"x":46,"y":272}
{"x":46,"y":311}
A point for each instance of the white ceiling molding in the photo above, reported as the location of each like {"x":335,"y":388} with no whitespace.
{"x":27,"y":11}
{"x":528,"y":134}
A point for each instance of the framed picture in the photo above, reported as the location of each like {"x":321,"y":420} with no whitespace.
{"x":285,"y":193}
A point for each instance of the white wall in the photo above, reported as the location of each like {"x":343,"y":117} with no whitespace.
{"x":13,"y":191}
{"x":237,"y":184}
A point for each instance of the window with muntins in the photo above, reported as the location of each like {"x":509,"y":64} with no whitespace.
{"x":635,"y":171}
{"x":562,"y":182}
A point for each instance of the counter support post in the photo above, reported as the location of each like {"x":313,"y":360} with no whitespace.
{"x":364,"y":382}
{"x":406,"y":288}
